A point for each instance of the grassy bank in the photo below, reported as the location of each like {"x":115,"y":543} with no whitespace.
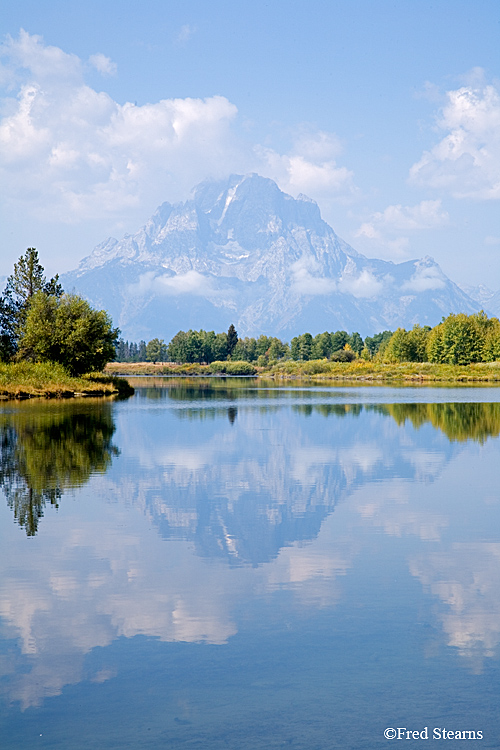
{"x":322,"y":369}
{"x":359,"y":370}
{"x":169,"y":368}
{"x":27,"y":380}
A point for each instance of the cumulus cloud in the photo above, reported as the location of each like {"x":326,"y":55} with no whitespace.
{"x":190,"y":282}
{"x":305,"y":282}
{"x":385,"y":228}
{"x":466,"y":162}
{"x":424,"y":279}
{"x":361,"y":285}
{"x":103,"y":64}
{"x":68,"y":152}
{"x":310,"y":167}
{"x":425,"y":215}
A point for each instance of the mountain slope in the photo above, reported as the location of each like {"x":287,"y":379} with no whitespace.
{"x":242,"y":251}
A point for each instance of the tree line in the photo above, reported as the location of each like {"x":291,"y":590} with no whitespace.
{"x":459,"y":339}
{"x":39,"y":322}
{"x":208,"y":346}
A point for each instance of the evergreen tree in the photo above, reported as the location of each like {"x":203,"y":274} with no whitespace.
{"x":339,"y":339}
{"x":26,"y":280}
{"x":232,"y":339}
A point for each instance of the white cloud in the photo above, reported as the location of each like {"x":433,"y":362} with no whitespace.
{"x":491,"y":240}
{"x":185,"y":34}
{"x":425,"y":215}
{"x":466,"y":162}
{"x":190,"y":282}
{"x":361,"y":285}
{"x":103,"y":64}
{"x":28,"y":52}
{"x":383,"y":228}
{"x":425,"y":278}
{"x":309,"y":167}
{"x":304,"y":282}
{"x":69,"y":153}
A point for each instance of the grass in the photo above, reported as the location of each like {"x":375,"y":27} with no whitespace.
{"x":360,"y":370}
{"x":169,"y":368}
{"x":28,"y":380}
{"x":324,"y":370}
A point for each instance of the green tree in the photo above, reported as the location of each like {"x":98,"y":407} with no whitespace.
{"x":356,"y":342}
{"x":322,"y":346}
{"x":398,"y":348}
{"x":27,"y":279}
{"x":177,"y":348}
{"x":69,"y":331}
{"x":378,"y":342}
{"x":302,"y":347}
{"x":156,"y":351}
{"x":339,"y":339}
{"x":459,"y":339}
{"x":232,"y":339}
{"x":220,"y":347}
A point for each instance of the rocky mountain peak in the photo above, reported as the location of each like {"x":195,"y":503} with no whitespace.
{"x":242,"y":251}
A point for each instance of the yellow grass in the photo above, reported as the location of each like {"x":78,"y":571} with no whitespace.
{"x":27,"y":380}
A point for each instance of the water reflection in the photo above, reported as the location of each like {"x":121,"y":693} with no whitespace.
{"x":217,"y":517}
{"x":46,"y":450}
{"x":462,"y":421}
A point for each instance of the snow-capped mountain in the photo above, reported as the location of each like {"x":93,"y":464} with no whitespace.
{"x":241,"y":251}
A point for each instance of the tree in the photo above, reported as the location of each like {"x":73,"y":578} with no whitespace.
{"x":398,"y":348}
{"x":322,"y":346}
{"x":156,"y":351}
{"x":69,"y":331}
{"x":459,"y":339}
{"x":338,"y":340}
{"x":356,"y":342}
{"x":302,"y":347}
{"x":378,"y":342}
{"x":26,"y":280}
{"x":232,"y":339}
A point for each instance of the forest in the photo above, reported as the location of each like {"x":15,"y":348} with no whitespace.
{"x":458,"y":340}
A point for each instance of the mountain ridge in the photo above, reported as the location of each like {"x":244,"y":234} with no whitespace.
{"x":242,"y":251}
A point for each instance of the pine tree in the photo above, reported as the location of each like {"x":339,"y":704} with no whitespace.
{"x":27,"y":279}
{"x":232,"y":339}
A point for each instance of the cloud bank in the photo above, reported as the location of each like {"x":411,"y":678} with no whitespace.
{"x":69,"y":153}
{"x":466,"y":161}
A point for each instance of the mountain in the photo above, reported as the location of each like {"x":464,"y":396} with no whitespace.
{"x":481,"y":294}
{"x":241,"y":251}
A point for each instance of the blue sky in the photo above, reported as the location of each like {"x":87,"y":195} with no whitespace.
{"x":386,"y":113}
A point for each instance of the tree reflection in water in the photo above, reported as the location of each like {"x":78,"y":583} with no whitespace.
{"x":458,"y":421}
{"x":47,"y":449}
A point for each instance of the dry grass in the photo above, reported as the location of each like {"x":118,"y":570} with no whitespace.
{"x":322,"y":369}
{"x":28,"y":380}
{"x":360,"y":370}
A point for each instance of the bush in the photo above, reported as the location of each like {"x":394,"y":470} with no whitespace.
{"x":344,"y":355}
{"x":232,"y":368}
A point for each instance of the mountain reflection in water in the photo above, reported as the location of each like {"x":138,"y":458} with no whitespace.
{"x":280,"y":550}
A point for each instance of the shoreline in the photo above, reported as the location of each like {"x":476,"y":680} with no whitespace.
{"x":326,"y":371}
{"x":23,"y":381}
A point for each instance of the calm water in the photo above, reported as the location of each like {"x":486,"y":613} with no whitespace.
{"x":220,"y":565}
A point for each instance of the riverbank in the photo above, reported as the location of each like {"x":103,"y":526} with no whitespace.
{"x":324,"y":370}
{"x":45,"y":380}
